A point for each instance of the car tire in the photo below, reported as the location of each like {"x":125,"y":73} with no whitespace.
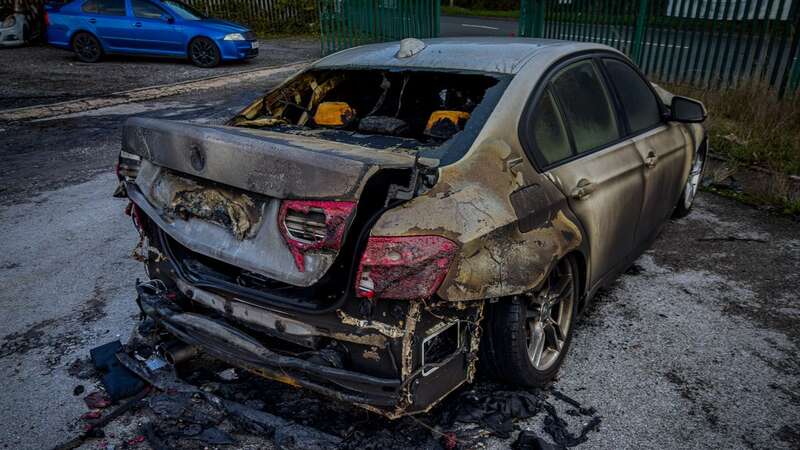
{"x":689,"y":192}
{"x":527,"y":337}
{"x":86,"y":47}
{"x":203,"y":52}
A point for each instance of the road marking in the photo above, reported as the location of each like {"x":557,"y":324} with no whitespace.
{"x":145,"y":93}
{"x":485,"y":27}
{"x":601,"y":40}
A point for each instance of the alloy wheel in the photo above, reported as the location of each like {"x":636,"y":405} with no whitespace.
{"x":87,"y":47}
{"x":203,"y":52}
{"x":549,"y":317}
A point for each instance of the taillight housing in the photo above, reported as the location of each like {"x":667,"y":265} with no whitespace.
{"x":404,"y":267}
{"x":308,"y":225}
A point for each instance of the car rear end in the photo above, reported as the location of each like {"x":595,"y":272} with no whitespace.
{"x":268,"y":263}
{"x":257,"y":236}
{"x":60,"y":20}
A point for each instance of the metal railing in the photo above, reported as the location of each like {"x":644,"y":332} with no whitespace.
{"x":705,"y":43}
{"x":347,"y":23}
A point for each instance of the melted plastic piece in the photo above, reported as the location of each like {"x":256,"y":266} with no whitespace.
{"x":444,"y":123}
{"x":404,"y":267}
{"x":336,"y":215}
{"x":334,"y":114}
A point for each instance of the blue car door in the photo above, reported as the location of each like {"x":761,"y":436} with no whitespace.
{"x":108,"y":20}
{"x":154,"y":30}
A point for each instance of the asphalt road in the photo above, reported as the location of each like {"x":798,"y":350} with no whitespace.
{"x":42,"y":74}
{"x":695,"y":347}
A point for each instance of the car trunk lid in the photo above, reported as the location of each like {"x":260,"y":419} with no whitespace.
{"x":278,"y":205}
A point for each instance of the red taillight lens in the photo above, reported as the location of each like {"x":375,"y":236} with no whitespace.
{"x":313,"y":225}
{"x":404,"y":267}
{"x":46,"y":19}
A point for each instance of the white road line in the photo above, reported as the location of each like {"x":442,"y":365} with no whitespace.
{"x":652,"y":44}
{"x":485,"y":27}
{"x":146,"y":93}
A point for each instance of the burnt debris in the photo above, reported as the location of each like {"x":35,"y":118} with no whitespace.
{"x":205,"y":402}
{"x":428,"y":107}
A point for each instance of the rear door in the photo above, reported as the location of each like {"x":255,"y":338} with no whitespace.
{"x":153,"y":31}
{"x":108,"y":20}
{"x":661,"y":146}
{"x":576,"y":137}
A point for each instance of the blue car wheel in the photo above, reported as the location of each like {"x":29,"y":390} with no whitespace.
{"x":87,"y":48}
{"x":203,"y":52}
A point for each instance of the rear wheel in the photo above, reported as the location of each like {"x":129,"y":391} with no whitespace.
{"x":527,"y":337}
{"x":86,"y":47}
{"x":203,"y":52}
{"x":686,"y":200}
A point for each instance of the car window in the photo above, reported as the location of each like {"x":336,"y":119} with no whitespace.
{"x":146,"y":10}
{"x":586,"y":105}
{"x":549,"y":133}
{"x":89,"y":6}
{"x":640,"y":105}
{"x":107,"y":7}
{"x":184,"y":11}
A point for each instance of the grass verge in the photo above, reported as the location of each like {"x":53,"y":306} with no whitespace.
{"x":749,"y":126}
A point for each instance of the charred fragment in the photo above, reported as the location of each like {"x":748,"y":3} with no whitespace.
{"x":428,"y":108}
{"x":236,"y":212}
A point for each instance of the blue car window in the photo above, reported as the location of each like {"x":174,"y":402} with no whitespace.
{"x":183,"y":10}
{"x":89,"y":6}
{"x":107,"y":7}
{"x":146,"y":10}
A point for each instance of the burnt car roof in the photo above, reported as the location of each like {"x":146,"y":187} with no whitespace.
{"x":485,"y":54}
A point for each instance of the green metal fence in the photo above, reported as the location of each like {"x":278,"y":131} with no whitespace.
{"x":347,"y":23}
{"x":265,"y":16}
{"x":706,"y":43}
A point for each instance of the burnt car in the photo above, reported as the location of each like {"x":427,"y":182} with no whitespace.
{"x":395,"y":214}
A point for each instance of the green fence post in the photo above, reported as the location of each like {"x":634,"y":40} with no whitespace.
{"x":538,"y":17}
{"x":437,"y":18}
{"x":523,"y":18}
{"x":638,"y":36}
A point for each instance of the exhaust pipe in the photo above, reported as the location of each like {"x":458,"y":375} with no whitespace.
{"x":176,"y":352}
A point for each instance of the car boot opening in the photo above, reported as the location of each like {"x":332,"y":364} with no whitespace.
{"x":422,"y":110}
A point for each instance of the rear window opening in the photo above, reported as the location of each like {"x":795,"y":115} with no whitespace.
{"x":438,"y":113}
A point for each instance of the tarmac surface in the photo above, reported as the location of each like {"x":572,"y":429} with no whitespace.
{"x":696,"y":346}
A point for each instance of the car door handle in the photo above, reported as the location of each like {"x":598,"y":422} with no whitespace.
{"x":651,"y":160}
{"x":138,"y":24}
{"x":583,"y":189}
{"x":92,"y":20}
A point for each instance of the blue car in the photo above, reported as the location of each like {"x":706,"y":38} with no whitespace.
{"x":93,"y":28}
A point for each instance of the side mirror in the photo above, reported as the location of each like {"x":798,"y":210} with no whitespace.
{"x":168,"y":19}
{"x":686,"y":110}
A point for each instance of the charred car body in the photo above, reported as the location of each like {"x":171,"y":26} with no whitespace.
{"x":378,"y":223}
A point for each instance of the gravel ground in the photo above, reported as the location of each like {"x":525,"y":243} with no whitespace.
{"x":694,"y":347}
{"x":27,"y":69}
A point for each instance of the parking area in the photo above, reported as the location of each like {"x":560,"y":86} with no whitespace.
{"x":41,"y":74}
{"x":696,"y":346}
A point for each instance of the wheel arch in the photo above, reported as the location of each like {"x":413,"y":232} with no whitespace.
{"x":94,"y":35}
{"x":198,"y":36}
{"x":583,"y":275}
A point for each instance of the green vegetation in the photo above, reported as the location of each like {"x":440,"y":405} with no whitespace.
{"x":282,"y":18}
{"x":750,"y":126}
